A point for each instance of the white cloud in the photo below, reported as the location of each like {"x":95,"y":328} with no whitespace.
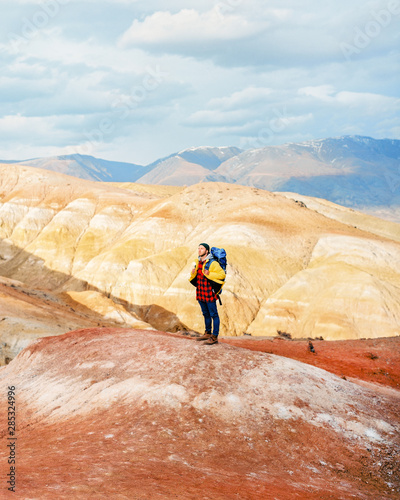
{"x":252,"y":112}
{"x":21,"y":133}
{"x":67,"y":2}
{"x":320,"y":92}
{"x":246,"y":97}
{"x":207,"y":118}
{"x":252,"y":33}
{"x":229,"y":71}
{"x":188,"y":26}
{"x":234,"y":111}
{"x":367,"y":102}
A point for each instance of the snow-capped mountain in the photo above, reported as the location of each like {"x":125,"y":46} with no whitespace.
{"x":354,"y":171}
{"x":190,"y":166}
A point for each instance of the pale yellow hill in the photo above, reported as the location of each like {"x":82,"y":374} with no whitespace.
{"x":350,"y":289}
{"x":299,"y":270}
{"x":152,"y":189}
{"x":349,"y":216}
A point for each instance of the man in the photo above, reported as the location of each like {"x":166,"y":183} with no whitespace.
{"x":208,"y":280}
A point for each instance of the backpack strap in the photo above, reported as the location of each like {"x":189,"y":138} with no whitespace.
{"x":215,"y":286}
{"x":208,"y":264}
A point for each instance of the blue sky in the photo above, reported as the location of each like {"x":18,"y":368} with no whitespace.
{"x":137,"y":80}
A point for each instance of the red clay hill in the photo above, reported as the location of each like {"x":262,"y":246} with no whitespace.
{"x":374,"y":361}
{"x":132,"y":414}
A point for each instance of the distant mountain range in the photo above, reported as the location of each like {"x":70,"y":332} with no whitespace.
{"x":86,"y":167}
{"x":354,"y":171}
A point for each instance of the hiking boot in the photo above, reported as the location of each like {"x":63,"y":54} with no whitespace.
{"x":212,"y":340}
{"x":206,"y":336}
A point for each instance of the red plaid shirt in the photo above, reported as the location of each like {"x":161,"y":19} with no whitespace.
{"x":204,"y":291}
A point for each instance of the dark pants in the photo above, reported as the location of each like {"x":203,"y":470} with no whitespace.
{"x":210,"y":313}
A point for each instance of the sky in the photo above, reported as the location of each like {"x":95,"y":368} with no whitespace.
{"x":135,"y":81}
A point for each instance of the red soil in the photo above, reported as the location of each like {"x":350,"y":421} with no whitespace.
{"x":140,"y":451}
{"x":370,"y":360}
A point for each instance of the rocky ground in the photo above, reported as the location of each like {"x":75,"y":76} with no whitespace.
{"x":134,"y":414}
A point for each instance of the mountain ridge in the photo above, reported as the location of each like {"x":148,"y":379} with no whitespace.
{"x":355,"y":171}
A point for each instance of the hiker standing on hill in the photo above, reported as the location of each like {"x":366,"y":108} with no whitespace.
{"x":208,"y":279}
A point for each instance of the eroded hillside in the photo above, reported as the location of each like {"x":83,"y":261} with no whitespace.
{"x":300,"y":270}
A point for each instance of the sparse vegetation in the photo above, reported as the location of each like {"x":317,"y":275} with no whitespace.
{"x":284,"y":335}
